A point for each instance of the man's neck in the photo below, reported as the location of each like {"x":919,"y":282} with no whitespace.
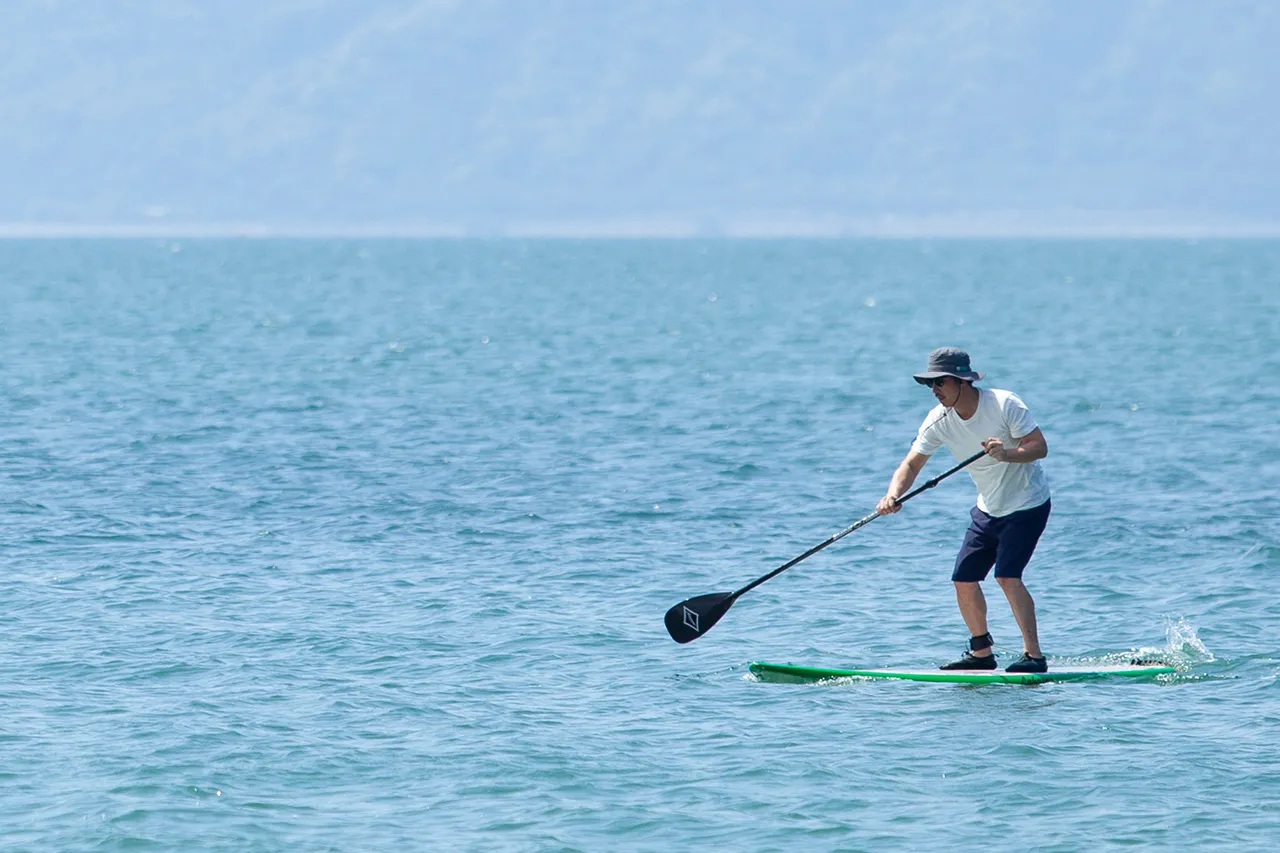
{"x":967,"y":403}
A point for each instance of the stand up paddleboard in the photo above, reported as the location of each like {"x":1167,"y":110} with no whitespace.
{"x":785,"y":673}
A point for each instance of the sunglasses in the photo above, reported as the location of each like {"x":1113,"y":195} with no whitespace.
{"x":938,"y":382}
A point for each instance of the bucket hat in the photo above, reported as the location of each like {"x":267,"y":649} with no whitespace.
{"x":948,"y":361}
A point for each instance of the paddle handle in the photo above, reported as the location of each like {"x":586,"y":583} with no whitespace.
{"x":866,"y":519}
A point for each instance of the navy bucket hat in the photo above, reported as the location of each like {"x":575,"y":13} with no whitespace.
{"x":948,"y":361}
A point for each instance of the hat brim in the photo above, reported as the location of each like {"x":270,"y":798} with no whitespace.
{"x":926,"y":378}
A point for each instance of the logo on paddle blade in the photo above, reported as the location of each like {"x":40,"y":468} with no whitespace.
{"x":690,"y":619}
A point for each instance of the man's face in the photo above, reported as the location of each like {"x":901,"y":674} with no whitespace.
{"x":946,"y":389}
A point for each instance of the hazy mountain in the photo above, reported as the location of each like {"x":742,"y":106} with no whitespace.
{"x":494,"y":113}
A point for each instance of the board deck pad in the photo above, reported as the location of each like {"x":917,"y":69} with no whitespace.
{"x":785,"y":673}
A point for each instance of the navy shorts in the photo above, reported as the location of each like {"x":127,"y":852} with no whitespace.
{"x":1006,"y":542}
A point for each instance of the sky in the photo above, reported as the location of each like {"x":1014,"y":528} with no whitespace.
{"x":667,"y":117}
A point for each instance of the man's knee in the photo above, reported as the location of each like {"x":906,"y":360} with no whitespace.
{"x":1009,"y":583}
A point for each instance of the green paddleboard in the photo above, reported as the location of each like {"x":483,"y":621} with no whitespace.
{"x":785,"y":673}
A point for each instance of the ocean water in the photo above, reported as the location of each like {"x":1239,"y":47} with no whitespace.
{"x":365,"y":545}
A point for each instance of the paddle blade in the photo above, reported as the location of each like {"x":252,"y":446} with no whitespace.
{"x":690,"y":619}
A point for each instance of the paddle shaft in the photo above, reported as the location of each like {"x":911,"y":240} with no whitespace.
{"x":867,"y":519}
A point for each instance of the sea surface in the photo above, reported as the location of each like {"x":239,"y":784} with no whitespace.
{"x":365,"y":545}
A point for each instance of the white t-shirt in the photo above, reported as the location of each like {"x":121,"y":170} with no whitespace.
{"x":1003,"y":487}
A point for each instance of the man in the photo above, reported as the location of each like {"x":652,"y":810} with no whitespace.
{"x":1013,"y":497}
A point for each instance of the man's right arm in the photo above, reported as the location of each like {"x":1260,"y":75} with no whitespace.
{"x":901,"y":482}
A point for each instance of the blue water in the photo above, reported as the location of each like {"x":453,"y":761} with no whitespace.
{"x":366,"y":545}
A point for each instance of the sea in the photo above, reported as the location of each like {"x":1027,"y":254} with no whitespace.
{"x":361,"y":545}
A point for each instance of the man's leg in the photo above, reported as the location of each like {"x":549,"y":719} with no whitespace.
{"x":973,"y":607}
{"x":977,"y":555}
{"x":1024,"y":611}
{"x":1018,"y":542}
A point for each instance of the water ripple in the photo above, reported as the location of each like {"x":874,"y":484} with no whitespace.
{"x":335,"y":546}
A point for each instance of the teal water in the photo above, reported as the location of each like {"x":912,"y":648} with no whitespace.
{"x":366,"y":545}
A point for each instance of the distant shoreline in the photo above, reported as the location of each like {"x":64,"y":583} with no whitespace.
{"x":760,"y":228}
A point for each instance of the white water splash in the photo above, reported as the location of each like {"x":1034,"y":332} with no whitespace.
{"x":1182,"y":648}
{"x":1180,"y":638}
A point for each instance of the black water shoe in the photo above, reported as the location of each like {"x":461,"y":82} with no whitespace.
{"x":971,"y":661}
{"x":1027,"y":663}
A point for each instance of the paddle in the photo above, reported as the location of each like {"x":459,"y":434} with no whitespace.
{"x":692,"y":618}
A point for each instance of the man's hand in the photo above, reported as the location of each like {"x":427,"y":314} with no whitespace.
{"x":901,"y":482}
{"x":995,"y":449}
{"x":888,"y":505}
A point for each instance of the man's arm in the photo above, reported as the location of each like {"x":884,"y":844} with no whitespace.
{"x":901,"y":481}
{"x":1031,"y":447}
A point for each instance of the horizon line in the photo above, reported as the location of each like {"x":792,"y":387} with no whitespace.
{"x":881,"y":228}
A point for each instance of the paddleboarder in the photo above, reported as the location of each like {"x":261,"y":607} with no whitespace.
{"x":1013,"y":497}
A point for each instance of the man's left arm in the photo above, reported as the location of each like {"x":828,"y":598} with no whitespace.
{"x":1031,"y":447}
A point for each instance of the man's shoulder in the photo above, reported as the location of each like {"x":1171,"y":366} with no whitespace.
{"x":1004,"y":398}
{"x":1014,"y":412}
